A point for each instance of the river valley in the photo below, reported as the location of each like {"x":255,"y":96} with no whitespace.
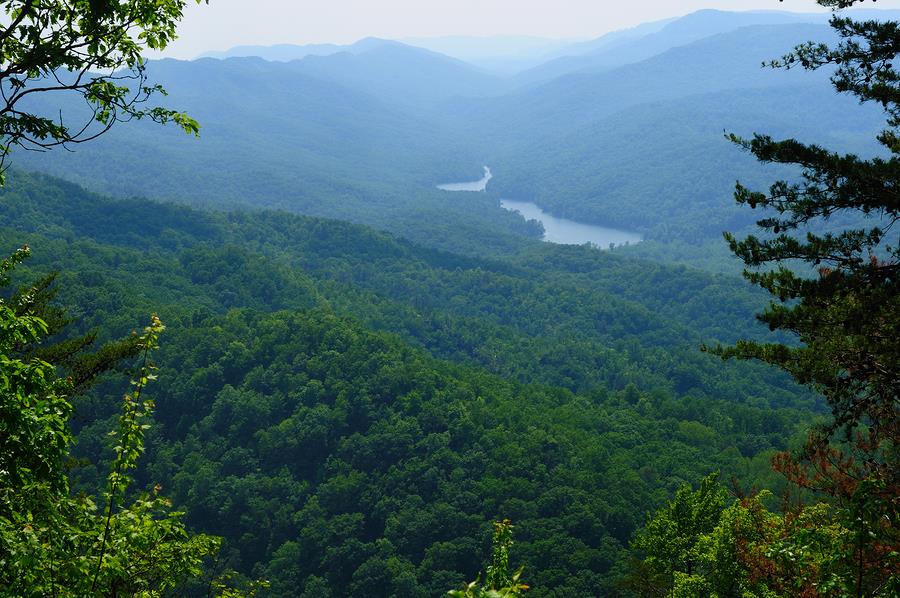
{"x":556,"y":230}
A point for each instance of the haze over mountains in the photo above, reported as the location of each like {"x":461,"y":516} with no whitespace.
{"x":369,"y":360}
{"x":530,"y":58}
{"x":648,"y":40}
{"x":365,"y":132}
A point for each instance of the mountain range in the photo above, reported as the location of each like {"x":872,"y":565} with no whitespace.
{"x":362,"y":371}
{"x":365,"y":132}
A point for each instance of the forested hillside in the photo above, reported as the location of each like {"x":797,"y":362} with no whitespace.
{"x":609,"y":168}
{"x":366,"y":133}
{"x":358,"y":380}
{"x":326,"y":389}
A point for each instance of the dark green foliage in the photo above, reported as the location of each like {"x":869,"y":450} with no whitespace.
{"x":848,"y":315}
{"x":352,"y":412}
{"x":335,"y":459}
{"x":318,"y":434}
{"x":53,"y":543}
{"x":844,"y":306}
{"x":567,"y":316}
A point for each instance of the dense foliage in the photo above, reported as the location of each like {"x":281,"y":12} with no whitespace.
{"x":848,"y":315}
{"x":352,"y":414}
{"x":843,"y":307}
{"x":702,"y":544}
{"x":331,"y":457}
{"x":53,"y":542}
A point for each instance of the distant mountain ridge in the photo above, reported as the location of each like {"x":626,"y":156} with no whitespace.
{"x":365,"y":134}
{"x":611,"y":52}
{"x":386,"y":69}
{"x":729,"y":60}
{"x":289,"y":52}
{"x":501,"y":54}
{"x":400,"y":73}
{"x":534,"y":59}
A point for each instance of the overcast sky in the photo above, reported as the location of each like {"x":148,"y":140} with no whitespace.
{"x":226,"y":23}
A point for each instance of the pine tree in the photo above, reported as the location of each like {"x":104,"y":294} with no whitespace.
{"x":844,"y":304}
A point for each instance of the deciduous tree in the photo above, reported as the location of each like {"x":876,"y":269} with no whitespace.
{"x":51,"y":542}
{"x":89,"y":48}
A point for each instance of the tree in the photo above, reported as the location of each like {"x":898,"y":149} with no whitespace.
{"x":669,"y":542}
{"x":744,"y":550}
{"x":499,"y":581}
{"x":845,"y":310}
{"x":90,"y":48}
{"x":53,"y":543}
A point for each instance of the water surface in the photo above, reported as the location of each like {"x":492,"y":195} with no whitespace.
{"x":570,"y":232}
{"x":470,"y":186}
{"x":556,"y":230}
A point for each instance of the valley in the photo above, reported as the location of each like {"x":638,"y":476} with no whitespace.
{"x":369,"y":357}
{"x":576,"y":146}
{"x":556,"y":230}
{"x":317,"y":373}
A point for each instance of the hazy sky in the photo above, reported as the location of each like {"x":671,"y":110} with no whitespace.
{"x":226,"y":23}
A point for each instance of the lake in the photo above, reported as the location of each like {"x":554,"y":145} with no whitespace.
{"x":556,"y":230}
{"x":471,"y":186}
{"x":570,"y":232}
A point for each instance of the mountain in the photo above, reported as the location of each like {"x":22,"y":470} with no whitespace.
{"x":361,"y":373}
{"x":278,"y":138}
{"x":401,"y":73}
{"x":641,"y":147}
{"x":277,"y":52}
{"x":610,"y":39}
{"x":333,"y":400}
{"x":391,"y":70}
{"x":295,"y":123}
{"x":664,"y":168}
{"x":720,"y":62}
{"x":504,"y":54}
{"x":289,"y":52}
{"x":366,"y":136}
{"x":607,"y":53}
